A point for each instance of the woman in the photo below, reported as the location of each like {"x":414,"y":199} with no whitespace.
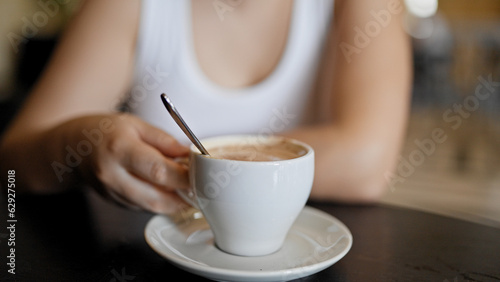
{"x":335,"y":76}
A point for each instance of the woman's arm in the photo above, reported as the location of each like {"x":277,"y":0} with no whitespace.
{"x":68,"y":130}
{"x":370,"y":101}
{"x":87,"y":73}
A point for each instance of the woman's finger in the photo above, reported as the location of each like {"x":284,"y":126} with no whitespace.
{"x":150,"y":165}
{"x":145,"y":195}
{"x":160,"y":140}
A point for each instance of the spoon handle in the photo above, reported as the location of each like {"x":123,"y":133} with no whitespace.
{"x":178,"y":119}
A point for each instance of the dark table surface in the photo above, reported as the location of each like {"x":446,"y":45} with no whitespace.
{"x":79,"y":237}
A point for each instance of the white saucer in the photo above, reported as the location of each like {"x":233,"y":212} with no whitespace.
{"x":316,"y":241}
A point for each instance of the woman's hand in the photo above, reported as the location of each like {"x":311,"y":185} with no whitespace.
{"x":135,"y":163}
{"x":132,"y":161}
{"x":121,"y":156}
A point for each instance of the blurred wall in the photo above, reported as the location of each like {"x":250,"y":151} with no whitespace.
{"x":464,"y":45}
{"x":457,"y":11}
{"x":23,"y":20}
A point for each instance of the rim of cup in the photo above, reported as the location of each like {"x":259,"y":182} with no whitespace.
{"x":255,"y":139}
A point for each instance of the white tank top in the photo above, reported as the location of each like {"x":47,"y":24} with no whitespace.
{"x":166,"y":63}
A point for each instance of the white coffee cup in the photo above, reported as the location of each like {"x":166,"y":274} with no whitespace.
{"x":251,"y":205}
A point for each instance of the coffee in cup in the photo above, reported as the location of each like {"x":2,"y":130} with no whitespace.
{"x":271,"y":150}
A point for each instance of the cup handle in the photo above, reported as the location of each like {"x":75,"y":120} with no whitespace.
{"x":188,"y":196}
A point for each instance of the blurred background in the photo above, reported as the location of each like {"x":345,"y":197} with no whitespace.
{"x":450,"y":163}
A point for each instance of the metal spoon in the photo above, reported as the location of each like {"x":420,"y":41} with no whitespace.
{"x":178,"y":119}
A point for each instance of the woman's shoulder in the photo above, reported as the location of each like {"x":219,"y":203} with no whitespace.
{"x":116,"y":15}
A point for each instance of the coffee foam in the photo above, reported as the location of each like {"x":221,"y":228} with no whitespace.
{"x":264,"y":151}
